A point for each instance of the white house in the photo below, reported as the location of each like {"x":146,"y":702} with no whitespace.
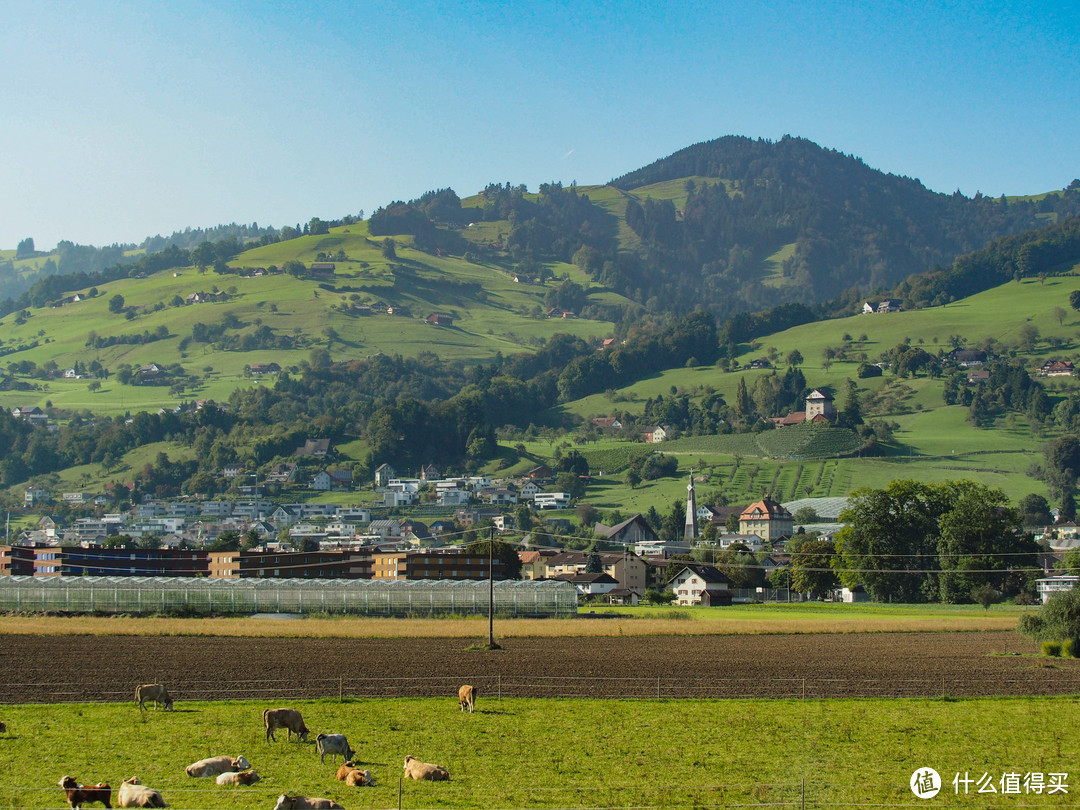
{"x":551,"y":500}
{"x":1048,"y":586}
{"x":694,"y":580}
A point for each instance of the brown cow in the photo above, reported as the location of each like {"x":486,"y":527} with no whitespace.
{"x":133,"y":793}
{"x":415,"y":769}
{"x":287,"y":802}
{"x":78,"y":795}
{"x":288,"y":719}
{"x":467,"y":697}
{"x":359,"y":778}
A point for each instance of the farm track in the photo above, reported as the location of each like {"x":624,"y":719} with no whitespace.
{"x":107,"y":668}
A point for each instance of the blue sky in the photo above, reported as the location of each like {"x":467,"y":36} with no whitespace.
{"x":122,"y":120}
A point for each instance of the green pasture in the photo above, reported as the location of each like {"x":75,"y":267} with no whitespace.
{"x":837,"y":614}
{"x":568,"y":753}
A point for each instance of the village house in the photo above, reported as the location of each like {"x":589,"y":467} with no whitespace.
{"x":698,"y":584}
{"x":383,"y":474}
{"x":1057,"y":368}
{"x":766,"y":519}
{"x":654,"y":434}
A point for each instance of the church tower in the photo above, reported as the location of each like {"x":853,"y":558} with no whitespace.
{"x":690,"y":529}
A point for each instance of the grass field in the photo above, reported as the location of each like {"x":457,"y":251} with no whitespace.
{"x":517,"y":753}
{"x":814,"y":617}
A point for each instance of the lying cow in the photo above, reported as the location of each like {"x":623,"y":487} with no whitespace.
{"x":287,"y":802}
{"x":3,"y":728}
{"x":78,"y":795}
{"x":155,"y":692}
{"x":415,"y":769}
{"x":333,"y":744}
{"x":215,"y":765}
{"x":467,"y":697}
{"x":133,"y":793}
{"x":359,"y":778}
{"x":288,"y":719}
{"x":353,"y":776}
{"x":241,"y":779}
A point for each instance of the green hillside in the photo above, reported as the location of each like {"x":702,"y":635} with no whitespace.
{"x":491,"y":315}
{"x":931,"y":441}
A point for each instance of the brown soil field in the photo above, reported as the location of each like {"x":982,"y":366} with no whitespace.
{"x":107,"y":668}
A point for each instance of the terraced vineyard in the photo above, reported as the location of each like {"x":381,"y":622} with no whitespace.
{"x":799,"y":441}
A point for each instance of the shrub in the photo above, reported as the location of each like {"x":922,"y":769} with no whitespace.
{"x":1051,"y":648}
{"x":1059,"y":618}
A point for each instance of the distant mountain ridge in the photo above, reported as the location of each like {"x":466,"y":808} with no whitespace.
{"x":852,"y":228}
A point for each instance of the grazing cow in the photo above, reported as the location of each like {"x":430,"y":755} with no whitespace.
{"x":78,"y":795}
{"x":287,"y":802}
{"x":415,"y":769}
{"x":238,"y":779}
{"x":288,"y":719}
{"x":155,"y":692}
{"x":133,"y":793}
{"x":333,"y":744}
{"x":466,"y":696}
{"x":359,"y":778}
{"x":215,"y":765}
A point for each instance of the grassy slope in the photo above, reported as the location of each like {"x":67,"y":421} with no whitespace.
{"x":934,"y":442}
{"x":664,"y":754}
{"x":490,"y":316}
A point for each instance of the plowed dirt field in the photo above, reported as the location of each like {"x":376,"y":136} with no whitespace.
{"x":105,"y":668}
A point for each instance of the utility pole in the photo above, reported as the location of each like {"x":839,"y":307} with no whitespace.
{"x":491,"y":590}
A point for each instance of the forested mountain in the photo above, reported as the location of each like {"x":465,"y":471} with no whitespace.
{"x":850,"y":226}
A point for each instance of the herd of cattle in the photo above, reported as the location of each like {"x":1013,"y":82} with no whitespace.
{"x":237,"y":771}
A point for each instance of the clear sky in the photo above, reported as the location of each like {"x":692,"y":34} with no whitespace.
{"x":120,"y":120}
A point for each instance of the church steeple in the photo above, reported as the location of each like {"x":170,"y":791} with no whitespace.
{"x":690,"y":529}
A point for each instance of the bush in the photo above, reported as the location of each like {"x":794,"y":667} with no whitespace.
{"x":1051,"y":648}
{"x":1071,"y":647}
{"x":1058,"y":619}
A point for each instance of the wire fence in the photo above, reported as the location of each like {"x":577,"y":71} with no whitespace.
{"x":347,"y":687}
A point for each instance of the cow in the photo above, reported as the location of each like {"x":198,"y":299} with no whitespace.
{"x":353,"y":776}
{"x":215,"y":765}
{"x":242,"y":778}
{"x":3,"y":728}
{"x":333,"y":744}
{"x":467,"y":697}
{"x":415,"y":769}
{"x":133,"y":793}
{"x":155,"y":692}
{"x":288,"y":719}
{"x":359,"y":778}
{"x":287,"y":802}
{"x":78,"y":795}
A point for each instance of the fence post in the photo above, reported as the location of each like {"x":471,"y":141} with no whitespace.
{"x":943,"y":687}
{"x":802,"y":794}
{"x":804,"y":688}
{"x":340,"y":688}
{"x":400,"y":781}
{"x":500,"y":687}
{"x":657,"y":687}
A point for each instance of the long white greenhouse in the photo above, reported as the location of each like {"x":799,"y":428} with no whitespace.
{"x":359,"y":597}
